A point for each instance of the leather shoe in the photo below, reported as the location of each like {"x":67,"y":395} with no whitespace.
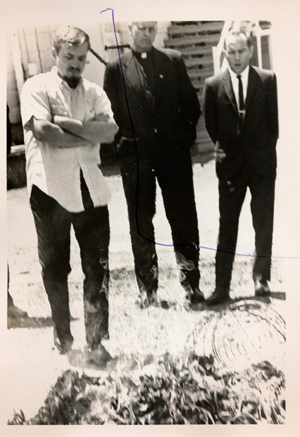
{"x":148,"y":299}
{"x":152,"y":298}
{"x":197,"y":296}
{"x":220,"y":295}
{"x":261,"y":287}
{"x":97,"y":354}
{"x":64,"y":345}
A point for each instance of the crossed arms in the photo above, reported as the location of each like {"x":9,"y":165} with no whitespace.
{"x":68,"y":132}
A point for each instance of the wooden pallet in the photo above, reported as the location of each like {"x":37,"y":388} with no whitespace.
{"x":195,"y":41}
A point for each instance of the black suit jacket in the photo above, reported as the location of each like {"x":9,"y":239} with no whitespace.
{"x":172,"y":113}
{"x":254,"y":138}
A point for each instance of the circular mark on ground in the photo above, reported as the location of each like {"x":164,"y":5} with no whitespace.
{"x":240,"y":333}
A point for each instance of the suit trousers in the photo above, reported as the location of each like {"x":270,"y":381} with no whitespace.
{"x":53,"y":226}
{"x":232,"y":193}
{"x":141,"y":163}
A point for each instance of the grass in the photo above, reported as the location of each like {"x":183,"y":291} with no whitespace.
{"x":246,"y":332}
{"x":165,"y":391}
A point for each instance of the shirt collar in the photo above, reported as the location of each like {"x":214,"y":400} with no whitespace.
{"x":62,"y":83}
{"x":244,"y":74}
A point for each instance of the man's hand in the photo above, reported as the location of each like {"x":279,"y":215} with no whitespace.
{"x":99,"y":129}
{"x":54,"y":135}
{"x":68,"y":124}
{"x":101,"y":117}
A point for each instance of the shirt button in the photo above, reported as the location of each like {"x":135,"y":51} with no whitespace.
{"x":155,"y":130}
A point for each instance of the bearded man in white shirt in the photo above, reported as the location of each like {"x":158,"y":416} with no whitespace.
{"x":65,"y":118}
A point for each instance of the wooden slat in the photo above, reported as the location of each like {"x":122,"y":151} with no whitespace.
{"x":203,"y":138}
{"x":194,"y":74}
{"x":205,"y":61}
{"x":210,"y":26}
{"x":178,"y":42}
{"x":197,"y":53}
{"x":200,"y":50}
{"x":203,"y":71}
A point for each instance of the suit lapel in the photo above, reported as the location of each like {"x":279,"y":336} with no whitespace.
{"x":252,"y":82}
{"x":229,"y":90}
{"x":133,"y":73}
{"x":160,"y":72}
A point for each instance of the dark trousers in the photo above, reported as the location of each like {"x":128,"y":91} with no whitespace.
{"x":231,"y":197}
{"x":53,"y":226}
{"x":140,"y":166}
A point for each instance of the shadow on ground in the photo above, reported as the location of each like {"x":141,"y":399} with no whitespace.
{"x":30,"y":322}
{"x":84,"y":359}
{"x":251,"y":299}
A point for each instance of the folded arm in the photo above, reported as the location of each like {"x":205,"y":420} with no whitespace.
{"x":54,"y":135}
{"x":100,"y":129}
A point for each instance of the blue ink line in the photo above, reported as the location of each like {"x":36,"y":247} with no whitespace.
{"x":234,"y":253}
{"x":137,"y":175}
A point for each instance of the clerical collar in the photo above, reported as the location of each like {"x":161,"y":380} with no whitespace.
{"x":143,"y":55}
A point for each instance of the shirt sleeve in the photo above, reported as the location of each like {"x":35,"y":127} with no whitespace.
{"x":34,"y":101}
{"x":102,"y":103}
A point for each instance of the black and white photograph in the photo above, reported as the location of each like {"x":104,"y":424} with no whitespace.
{"x":150,"y":220}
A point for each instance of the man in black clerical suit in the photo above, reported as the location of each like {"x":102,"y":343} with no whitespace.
{"x":156,"y":109}
{"x":241,"y":118}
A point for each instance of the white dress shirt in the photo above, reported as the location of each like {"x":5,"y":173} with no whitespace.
{"x":56,"y":170}
{"x":235,"y":84}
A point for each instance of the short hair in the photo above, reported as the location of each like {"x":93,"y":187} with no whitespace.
{"x":132,"y":23}
{"x":70,"y":35}
{"x":239,"y":33}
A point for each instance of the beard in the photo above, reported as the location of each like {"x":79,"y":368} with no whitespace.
{"x":72,"y":81}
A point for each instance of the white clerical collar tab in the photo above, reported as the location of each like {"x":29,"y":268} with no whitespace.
{"x":144,"y":55}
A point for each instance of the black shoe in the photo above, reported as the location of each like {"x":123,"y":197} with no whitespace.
{"x":261,"y":287}
{"x":63,"y":345}
{"x":197,"y":296}
{"x":97,"y":354}
{"x":220,"y":295}
{"x":148,"y":299}
{"x":152,"y":298}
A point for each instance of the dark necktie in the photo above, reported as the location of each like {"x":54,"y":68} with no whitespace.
{"x":241,"y":97}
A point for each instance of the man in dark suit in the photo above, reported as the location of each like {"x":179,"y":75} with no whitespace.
{"x":241,"y":118}
{"x":156,"y":109}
